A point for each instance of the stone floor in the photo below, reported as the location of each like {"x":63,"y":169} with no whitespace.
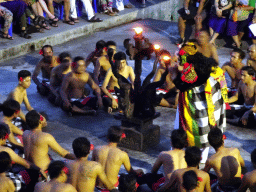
{"x":65,"y":129}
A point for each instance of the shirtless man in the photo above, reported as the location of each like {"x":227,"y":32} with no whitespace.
{"x":46,"y":64}
{"x":204,"y":47}
{"x":6,"y":184}
{"x":251,"y":61}
{"x":249,"y":179}
{"x":226,"y":162}
{"x":102,"y":64}
{"x":11,"y":110}
{"x":57,"y":75}
{"x":192,"y":157}
{"x":110,"y":80}
{"x":246,"y":87}
{"x":171,"y":161}
{"x":20,"y":92}
{"x":99,"y":51}
{"x":166,"y":100}
{"x":58,"y":173}
{"x":80,"y":177}
{"x":72,"y":90}
{"x":37,"y":143}
{"x":111,"y":158}
{"x":233,"y":68}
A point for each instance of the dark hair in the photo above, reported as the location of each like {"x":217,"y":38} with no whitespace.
{"x":164,"y":52}
{"x":249,"y":70}
{"x":5,"y":162}
{"x":81,"y":147}
{"x":78,"y":58}
{"x":253,"y":156}
{"x":215,"y":138}
{"x":127,"y":183}
{"x":9,"y":107}
{"x":179,"y":138}
{"x":193,"y":156}
{"x":114,"y":134}
{"x":120,"y":56}
{"x":47,"y":46}
{"x":24,"y":74}
{"x":109,"y":43}
{"x":240,"y":52}
{"x":100,"y":44}
{"x":55,"y":169}
{"x":4,"y":129}
{"x":190,"y":180}
{"x":32,"y":119}
{"x":63,"y":55}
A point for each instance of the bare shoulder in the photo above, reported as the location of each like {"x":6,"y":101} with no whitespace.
{"x":40,"y":185}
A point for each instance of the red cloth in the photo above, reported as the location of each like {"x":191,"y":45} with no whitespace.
{"x":159,"y":182}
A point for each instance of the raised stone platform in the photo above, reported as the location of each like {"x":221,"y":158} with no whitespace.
{"x":140,"y":133}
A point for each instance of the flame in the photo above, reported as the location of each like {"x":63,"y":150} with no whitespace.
{"x":156,"y":46}
{"x":166,"y":58}
{"x":138,"y":30}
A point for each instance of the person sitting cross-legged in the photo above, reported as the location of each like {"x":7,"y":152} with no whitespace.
{"x":243,"y":115}
{"x":226,"y":162}
{"x":112,"y":158}
{"x":37,"y":142}
{"x":58,"y":173}
{"x":170,"y":160}
{"x":83,"y":173}
{"x":192,"y":157}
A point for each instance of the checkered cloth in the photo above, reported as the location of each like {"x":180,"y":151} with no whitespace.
{"x":193,"y":113}
{"x":17,"y":180}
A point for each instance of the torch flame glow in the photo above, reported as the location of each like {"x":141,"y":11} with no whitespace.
{"x":138,"y":30}
{"x":156,"y":46}
{"x":166,"y":58}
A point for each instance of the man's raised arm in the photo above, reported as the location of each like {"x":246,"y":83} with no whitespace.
{"x":36,"y":73}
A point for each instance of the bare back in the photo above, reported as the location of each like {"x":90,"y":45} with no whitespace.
{"x":54,"y":187}
{"x":6,"y":184}
{"x":36,"y":148}
{"x":249,"y":181}
{"x":111,"y":159}
{"x":84,"y":174}
{"x":173,"y":160}
{"x":227,"y":166}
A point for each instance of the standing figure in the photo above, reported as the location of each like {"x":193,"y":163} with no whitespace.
{"x":202,"y":98}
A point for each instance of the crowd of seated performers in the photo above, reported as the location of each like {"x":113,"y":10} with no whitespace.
{"x":38,"y":172}
{"x":18,"y":11}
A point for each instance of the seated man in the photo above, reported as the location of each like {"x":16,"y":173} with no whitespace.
{"x":234,"y":66}
{"x":244,"y":113}
{"x":20,"y":92}
{"x":81,"y":178}
{"x":171,"y":161}
{"x":37,"y":143}
{"x":11,"y":109}
{"x":58,"y":173}
{"x":249,"y":179}
{"x":72,"y":90}
{"x":102,"y":64}
{"x":167,"y":93}
{"x":192,"y":157}
{"x":251,"y":61}
{"x":111,"y":158}
{"x":46,"y":64}
{"x":226,"y":162}
{"x":99,"y":51}
{"x":57,"y":75}
{"x":6,"y":184}
{"x":110,"y":80}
